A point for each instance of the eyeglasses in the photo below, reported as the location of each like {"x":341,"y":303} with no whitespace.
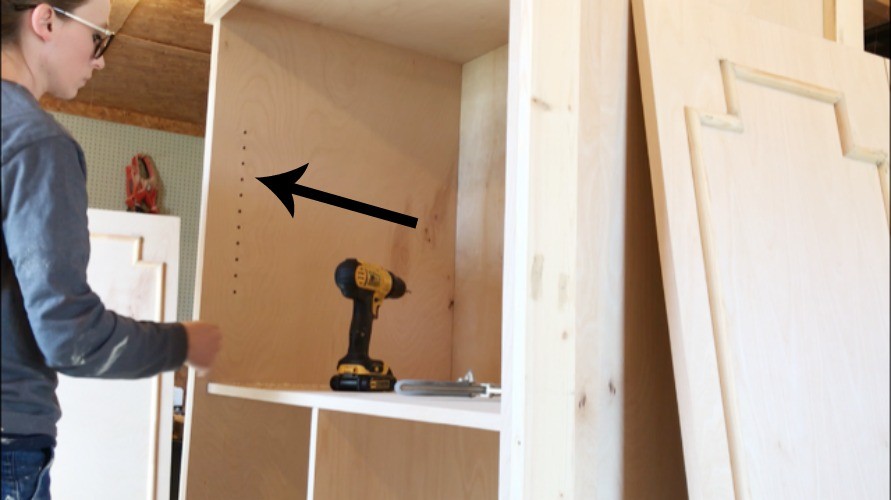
{"x":101,"y":39}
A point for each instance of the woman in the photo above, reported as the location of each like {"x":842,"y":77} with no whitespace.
{"x":51,"y":321}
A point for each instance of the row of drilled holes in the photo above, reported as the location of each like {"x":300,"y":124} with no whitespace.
{"x":238,"y":220}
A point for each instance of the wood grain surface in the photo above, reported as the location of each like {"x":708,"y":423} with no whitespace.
{"x":376,"y":124}
{"x":769,"y":165}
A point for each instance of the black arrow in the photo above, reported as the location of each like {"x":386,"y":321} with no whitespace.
{"x":285,"y":185}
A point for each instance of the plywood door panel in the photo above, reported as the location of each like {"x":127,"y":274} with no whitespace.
{"x":804,"y":16}
{"x":115,"y":435}
{"x":838,"y":20}
{"x":769,"y":160}
{"x":403,"y":460}
{"x":843,"y":21}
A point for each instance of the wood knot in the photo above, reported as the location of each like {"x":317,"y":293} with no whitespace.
{"x":536,"y":277}
{"x":540,"y":103}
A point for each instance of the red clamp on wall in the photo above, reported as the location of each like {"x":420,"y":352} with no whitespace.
{"x":142,"y":185}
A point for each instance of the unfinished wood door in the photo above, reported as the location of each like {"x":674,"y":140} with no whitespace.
{"x":115,"y":436}
{"x":769,"y":157}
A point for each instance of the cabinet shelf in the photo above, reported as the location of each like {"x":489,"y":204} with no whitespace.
{"x":474,"y":413}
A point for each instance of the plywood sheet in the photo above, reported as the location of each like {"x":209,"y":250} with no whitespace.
{"x":837,"y":20}
{"x":375,"y":124}
{"x":479,"y":246}
{"x":246,"y":449}
{"x":458,"y":31}
{"x":400,"y":460}
{"x":769,"y":152}
{"x":804,"y":16}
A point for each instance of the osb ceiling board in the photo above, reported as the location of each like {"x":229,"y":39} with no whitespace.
{"x":179,"y":23}
{"x":769,"y":156}
{"x":876,"y":12}
{"x":156,"y":71}
{"x":152,"y":79}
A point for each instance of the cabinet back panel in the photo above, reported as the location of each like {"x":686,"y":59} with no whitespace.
{"x":247,"y":449}
{"x":375,"y":124}
{"x":403,"y":460}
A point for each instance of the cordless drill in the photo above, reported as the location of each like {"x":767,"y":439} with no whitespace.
{"x":367,"y":285}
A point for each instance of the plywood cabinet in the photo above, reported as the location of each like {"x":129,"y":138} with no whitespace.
{"x":513,"y":131}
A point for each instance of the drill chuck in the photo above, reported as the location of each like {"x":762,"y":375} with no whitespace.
{"x":398,"y":289}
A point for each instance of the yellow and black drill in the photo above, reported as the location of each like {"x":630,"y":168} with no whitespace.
{"x":368,"y":285}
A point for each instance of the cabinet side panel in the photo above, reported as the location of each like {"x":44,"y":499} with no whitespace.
{"x":378,"y":458}
{"x":480,"y":240}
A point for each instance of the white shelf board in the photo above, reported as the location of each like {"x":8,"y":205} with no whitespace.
{"x":475,"y":413}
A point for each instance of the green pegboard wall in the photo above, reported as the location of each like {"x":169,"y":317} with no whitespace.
{"x":108,"y":148}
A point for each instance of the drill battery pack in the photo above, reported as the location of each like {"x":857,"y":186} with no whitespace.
{"x":363,"y":383}
{"x":367,"y":285}
{"x":369,"y":376}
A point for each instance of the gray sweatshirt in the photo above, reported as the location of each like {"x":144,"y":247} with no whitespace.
{"x":51,"y":320}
